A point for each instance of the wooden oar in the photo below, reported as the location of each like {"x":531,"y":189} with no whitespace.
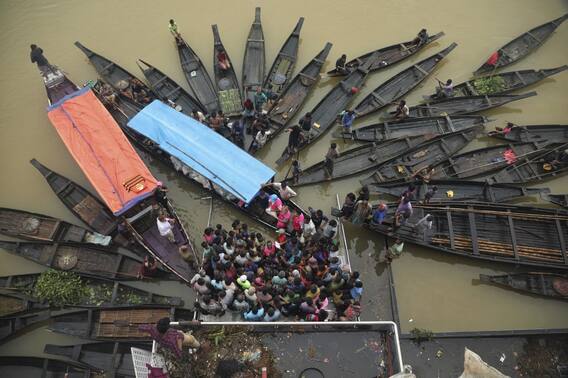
{"x":126,"y":323}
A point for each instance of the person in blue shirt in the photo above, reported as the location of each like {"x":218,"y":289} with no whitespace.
{"x":254,"y":315}
{"x":357,"y":290}
{"x":379,"y":214}
{"x":347,"y":119}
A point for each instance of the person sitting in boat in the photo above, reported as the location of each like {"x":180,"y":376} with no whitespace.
{"x":260,"y":123}
{"x":556,"y":160}
{"x":329,"y":162}
{"x":172,"y":26}
{"x":502,"y":131}
{"x":284,"y":191}
{"x":169,"y":338}
{"x":223,"y":60}
{"x":108,"y":94}
{"x":421,"y":38}
{"x":139,"y":94}
{"x":402,"y":111}
{"x":149,"y":268}
{"x":347,"y":118}
{"x":166,"y":227}
{"x":340,"y":64}
{"x":348,"y":206}
{"x":198,"y":116}
{"x":36,"y":56}
{"x":270,"y":95}
{"x":361,"y":212}
{"x":260,"y":140}
{"x":445,"y":90}
{"x":379,"y":214}
{"x":215,"y":121}
{"x":430,"y":194}
{"x":306,"y":122}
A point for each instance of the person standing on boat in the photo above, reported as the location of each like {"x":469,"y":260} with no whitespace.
{"x":430,"y":194}
{"x":165,"y":227}
{"x":329,"y":161}
{"x":294,"y":139}
{"x":340,"y":64}
{"x":175,"y":31}
{"x":296,"y":170}
{"x":306,"y":122}
{"x":402,"y":111}
{"x":445,"y":90}
{"x":169,"y":338}
{"x":223,"y":60}
{"x":259,"y":100}
{"x":36,"y":56}
{"x":347,"y":118}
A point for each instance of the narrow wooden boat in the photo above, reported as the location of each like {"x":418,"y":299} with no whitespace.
{"x":458,"y":190}
{"x":281,"y":71}
{"x":57,"y":85}
{"x":14,"y":303}
{"x":325,"y":113}
{"x":357,"y":160}
{"x":387,"y":56}
{"x":482,"y":161}
{"x":400,"y":84}
{"x":254,"y":61}
{"x":24,"y":366}
{"x":413,"y":161}
{"x":113,"y":358}
{"x":230,"y":100}
{"x":521,"y":46}
{"x":197,"y":77}
{"x":81,"y":258}
{"x":464,"y":105}
{"x":168,"y":90}
{"x":535,"y":133}
{"x":549,"y":163}
{"x":517,"y":235}
{"x":296,"y":92}
{"x":104,"y":324}
{"x":79,"y":201}
{"x":116,"y":76}
{"x":539,"y":283}
{"x":431,"y":126}
{"x":511,"y":81}
{"x":557,"y":199}
{"x":105,"y":292}
{"x":12,"y":326}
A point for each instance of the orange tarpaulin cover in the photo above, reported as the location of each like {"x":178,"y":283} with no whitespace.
{"x":102,"y":151}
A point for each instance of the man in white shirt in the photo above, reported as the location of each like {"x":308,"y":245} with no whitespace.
{"x":284,"y":191}
{"x":165,"y":227}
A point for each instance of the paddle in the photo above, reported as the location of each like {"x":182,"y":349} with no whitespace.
{"x":126,"y":323}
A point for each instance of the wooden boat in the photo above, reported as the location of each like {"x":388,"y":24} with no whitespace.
{"x":325,"y":113}
{"x":119,"y":324}
{"x":431,"y":126}
{"x":535,"y":133}
{"x":557,"y":199}
{"x":283,"y":66}
{"x":14,"y":303}
{"x":458,"y":190}
{"x":113,"y":358}
{"x":254,"y":61}
{"x":357,"y":160}
{"x":24,"y":366}
{"x":169,"y":91}
{"x":511,"y":81}
{"x":400,"y":84}
{"x":296,"y":92}
{"x":533,"y":168}
{"x":521,"y":46}
{"x":116,"y":76}
{"x":57,"y":85}
{"x":411,"y":162}
{"x":387,"y":56}
{"x":517,"y":235}
{"x":105,"y":292}
{"x":539,"y":283}
{"x":464,"y":105}
{"x":79,"y":201}
{"x":230,"y":100}
{"x":81,"y":258}
{"x":482,"y":161}
{"x":197,"y":77}
{"x":11,"y":326}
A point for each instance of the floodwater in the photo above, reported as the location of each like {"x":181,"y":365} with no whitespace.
{"x":435,"y":292}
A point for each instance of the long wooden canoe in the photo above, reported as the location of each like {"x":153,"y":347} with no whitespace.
{"x":119,"y":324}
{"x":557,"y":199}
{"x":400,"y":84}
{"x":482,"y":161}
{"x":511,"y":81}
{"x":254,"y":61}
{"x":521,"y":46}
{"x":79,"y":201}
{"x":459,"y":190}
{"x":534,"y":168}
{"x":116,"y":76}
{"x":325,"y":113}
{"x":24,"y":366}
{"x":57,"y":85}
{"x":387,"y":56}
{"x":535,"y":133}
{"x":230,"y":100}
{"x":106,"y":292}
{"x":81,"y":258}
{"x":15,"y":303}
{"x":197,"y":77}
{"x":113,"y":358}
{"x":517,"y":235}
{"x":431,"y":126}
{"x":357,"y":160}
{"x":283,"y":66}
{"x":12,"y":326}
{"x":168,"y":90}
{"x":464,"y":105}
{"x":294,"y":95}
{"x":411,"y":162}
{"x":539,"y":283}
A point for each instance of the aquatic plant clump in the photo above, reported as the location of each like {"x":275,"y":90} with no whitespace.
{"x":60,"y":288}
{"x":489,"y":85}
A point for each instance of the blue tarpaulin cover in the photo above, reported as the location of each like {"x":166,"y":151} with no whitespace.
{"x":203,"y":150}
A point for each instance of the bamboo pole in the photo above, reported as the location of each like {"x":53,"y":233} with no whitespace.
{"x":495,"y":212}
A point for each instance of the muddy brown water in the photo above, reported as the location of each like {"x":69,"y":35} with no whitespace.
{"x":434,"y":291}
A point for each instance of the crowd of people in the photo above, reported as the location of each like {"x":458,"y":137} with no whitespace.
{"x":298,"y":275}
